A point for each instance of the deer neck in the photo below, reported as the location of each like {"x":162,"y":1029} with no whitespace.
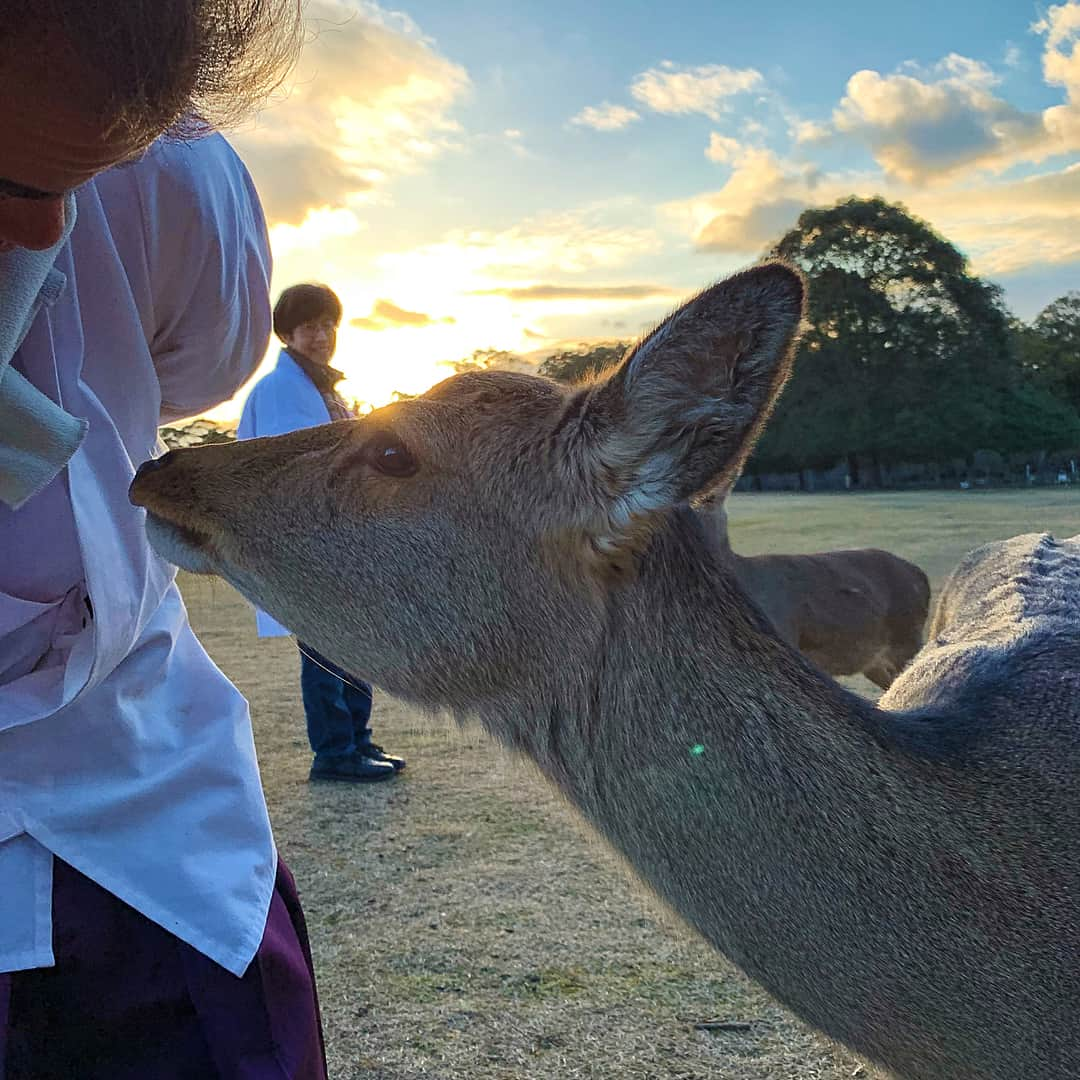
{"x":725,"y":769}
{"x":687,"y":662}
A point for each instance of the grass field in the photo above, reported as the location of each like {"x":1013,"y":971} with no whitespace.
{"x":464,"y":927}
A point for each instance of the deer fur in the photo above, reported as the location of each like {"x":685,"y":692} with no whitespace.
{"x":906,"y":879}
{"x":851,"y":612}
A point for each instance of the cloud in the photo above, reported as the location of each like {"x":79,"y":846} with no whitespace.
{"x":1061,"y":67}
{"x":385,"y":315}
{"x":935,"y":125}
{"x":920,"y":129}
{"x":810,"y":131}
{"x":319,"y":228}
{"x":1060,"y":25}
{"x":293,"y":180}
{"x":1004,"y":226}
{"x":669,"y":89}
{"x":581,"y":292}
{"x":1010,"y":226}
{"x":934,"y":135}
{"x":606,"y":117}
{"x":750,"y":229}
{"x":761,"y":200}
{"x":722,"y":148}
{"x":370,"y":99}
{"x":591,"y":238}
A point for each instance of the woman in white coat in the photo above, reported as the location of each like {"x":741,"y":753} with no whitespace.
{"x":300,"y":393}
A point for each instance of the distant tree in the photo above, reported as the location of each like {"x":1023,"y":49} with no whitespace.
{"x":219,"y":436}
{"x":907,"y":352}
{"x":1049,"y":349}
{"x":197,"y":432}
{"x":1031,"y":418}
{"x":485,"y":359}
{"x":577,"y":365}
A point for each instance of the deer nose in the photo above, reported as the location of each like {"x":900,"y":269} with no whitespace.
{"x":153,"y":464}
{"x":147,"y":467}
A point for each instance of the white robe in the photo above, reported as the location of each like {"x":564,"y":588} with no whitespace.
{"x":283,"y":400}
{"x":123,"y":749}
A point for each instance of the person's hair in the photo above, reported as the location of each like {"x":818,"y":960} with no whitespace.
{"x":182,"y":66}
{"x":301,"y":303}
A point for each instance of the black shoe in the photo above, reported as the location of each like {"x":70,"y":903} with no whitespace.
{"x":354,"y":768}
{"x":377,"y":753}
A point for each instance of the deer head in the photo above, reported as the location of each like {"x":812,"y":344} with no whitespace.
{"x":449,"y":545}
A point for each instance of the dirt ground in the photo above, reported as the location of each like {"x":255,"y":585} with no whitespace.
{"x":464,"y":925}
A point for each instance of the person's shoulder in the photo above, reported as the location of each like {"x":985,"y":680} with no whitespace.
{"x":280,"y":375}
{"x":206,"y":166}
{"x":192,"y":156}
{"x":186,"y":174}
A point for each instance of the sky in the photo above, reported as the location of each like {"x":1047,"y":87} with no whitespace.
{"x":527,"y":175}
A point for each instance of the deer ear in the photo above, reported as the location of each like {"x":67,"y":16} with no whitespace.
{"x":681,"y":413}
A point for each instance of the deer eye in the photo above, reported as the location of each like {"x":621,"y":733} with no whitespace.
{"x":389,"y":455}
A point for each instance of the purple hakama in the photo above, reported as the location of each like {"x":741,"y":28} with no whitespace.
{"x":129,"y":1001}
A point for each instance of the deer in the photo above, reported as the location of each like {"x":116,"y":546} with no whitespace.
{"x":851,"y":612}
{"x":905,"y":877}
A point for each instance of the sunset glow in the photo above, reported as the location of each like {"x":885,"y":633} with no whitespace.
{"x":467,"y":181}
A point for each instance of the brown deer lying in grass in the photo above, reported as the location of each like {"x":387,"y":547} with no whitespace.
{"x":859,"y":611}
{"x":905,"y":879}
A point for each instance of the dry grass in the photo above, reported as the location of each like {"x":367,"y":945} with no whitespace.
{"x":463,"y":925}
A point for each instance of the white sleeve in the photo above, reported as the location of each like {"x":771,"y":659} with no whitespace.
{"x":190,"y":231}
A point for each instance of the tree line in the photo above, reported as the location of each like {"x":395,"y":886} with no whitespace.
{"x":908,"y":357}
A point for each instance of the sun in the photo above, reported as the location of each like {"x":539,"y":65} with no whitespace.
{"x":403,"y":359}
{"x":410,"y":315}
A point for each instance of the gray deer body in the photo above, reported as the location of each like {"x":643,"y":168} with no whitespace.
{"x":903,"y":883}
{"x":907,"y":882}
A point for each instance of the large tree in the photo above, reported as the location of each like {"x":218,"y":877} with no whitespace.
{"x":907,"y":355}
{"x":1050,"y":348}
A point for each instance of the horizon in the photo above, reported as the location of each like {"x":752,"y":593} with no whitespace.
{"x":521,"y":180}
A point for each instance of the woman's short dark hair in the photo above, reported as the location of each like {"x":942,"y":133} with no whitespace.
{"x":303,"y":303}
{"x":180,"y":65}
